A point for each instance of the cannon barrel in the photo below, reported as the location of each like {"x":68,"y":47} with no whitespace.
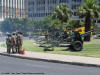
{"x":82,"y":35}
{"x":86,"y":33}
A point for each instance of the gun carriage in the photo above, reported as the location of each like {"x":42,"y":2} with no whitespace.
{"x":73,"y":40}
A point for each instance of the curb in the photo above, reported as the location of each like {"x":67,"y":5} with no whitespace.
{"x":53,"y":61}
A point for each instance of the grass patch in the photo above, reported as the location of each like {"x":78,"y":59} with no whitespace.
{"x":91,"y":49}
{"x":3,"y":45}
{"x":30,"y":46}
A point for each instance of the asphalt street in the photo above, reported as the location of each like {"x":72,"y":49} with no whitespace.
{"x":16,"y":66}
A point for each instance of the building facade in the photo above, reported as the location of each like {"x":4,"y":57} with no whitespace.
{"x":37,"y":9}
{"x":12,"y":9}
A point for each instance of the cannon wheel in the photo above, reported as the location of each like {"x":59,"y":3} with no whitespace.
{"x":76,"y":46}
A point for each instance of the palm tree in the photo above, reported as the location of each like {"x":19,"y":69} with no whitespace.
{"x":62,"y":12}
{"x":89,"y":11}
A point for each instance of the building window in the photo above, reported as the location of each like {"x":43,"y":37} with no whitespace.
{"x":63,"y":1}
{"x":50,"y":8}
{"x":39,"y":2}
{"x":51,"y":1}
{"x":76,"y":0}
{"x":31,"y":3}
{"x":75,"y":6}
{"x":41,"y":8}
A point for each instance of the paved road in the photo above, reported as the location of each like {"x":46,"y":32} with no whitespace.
{"x":16,"y":66}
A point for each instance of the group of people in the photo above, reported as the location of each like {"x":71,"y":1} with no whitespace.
{"x":14,"y":42}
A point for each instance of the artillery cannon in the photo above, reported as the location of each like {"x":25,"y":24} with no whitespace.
{"x":73,"y":40}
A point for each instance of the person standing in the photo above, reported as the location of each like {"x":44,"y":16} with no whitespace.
{"x":19,"y":41}
{"x":13,"y":43}
{"x":46,"y":35}
{"x":8,"y":43}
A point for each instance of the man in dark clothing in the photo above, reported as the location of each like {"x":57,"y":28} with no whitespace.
{"x":13,"y":42}
{"x":46,"y":35}
{"x":8,"y":43}
{"x":19,"y":41}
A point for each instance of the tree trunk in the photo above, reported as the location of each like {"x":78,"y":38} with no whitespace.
{"x":87,"y":27}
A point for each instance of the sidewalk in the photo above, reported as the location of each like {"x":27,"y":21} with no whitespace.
{"x":68,"y":59}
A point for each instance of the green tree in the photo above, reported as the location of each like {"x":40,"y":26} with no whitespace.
{"x":73,"y":23}
{"x":43,"y":23}
{"x":47,"y":22}
{"x":24,"y":25}
{"x":89,"y":10}
{"x":6,"y":25}
{"x":56,"y":24}
{"x":62,"y":12}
